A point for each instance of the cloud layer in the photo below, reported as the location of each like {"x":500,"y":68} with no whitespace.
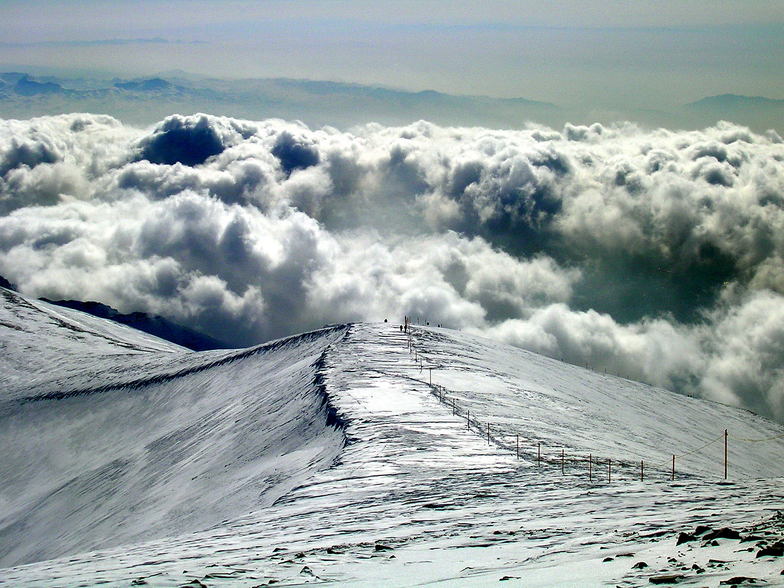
{"x":654,"y":254}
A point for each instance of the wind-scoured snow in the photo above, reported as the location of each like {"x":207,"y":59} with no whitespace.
{"x":330,"y":457}
{"x":167,"y":443}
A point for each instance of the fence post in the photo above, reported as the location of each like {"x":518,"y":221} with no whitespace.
{"x":562,"y":461}
{"x":453,"y":407}
{"x":488,"y":433}
{"x":725,"y":454}
{"x":609,"y":476}
{"x":642,"y":471}
{"x":672,"y":476}
{"x":590,"y":467}
{"x":539,"y":454}
{"x":468,"y":421}
{"x":517,"y":446}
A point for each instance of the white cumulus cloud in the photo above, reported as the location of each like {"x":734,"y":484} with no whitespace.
{"x":651,"y":253}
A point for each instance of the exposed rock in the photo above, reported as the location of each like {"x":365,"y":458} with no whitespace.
{"x":724,"y":533}
{"x":640,"y":565}
{"x":685,"y":538}
{"x":701,"y":529}
{"x":382,"y":547}
{"x":666,"y":579}
{"x":738,"y":580}
{"x":775,"y":550}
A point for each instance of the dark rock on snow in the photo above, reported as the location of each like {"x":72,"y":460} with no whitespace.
{"x":685,"y":538}
{"x":666,"y":579}
{"x":725,"y":533}
{"x":775,"y":550}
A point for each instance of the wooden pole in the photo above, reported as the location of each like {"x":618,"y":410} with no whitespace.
{"x":517,"y":446}
{"x":590,"y":467}
{"x":725,"y":454}
{"x":642,"y":471}
{"x":453,"y":407}
{"x":468,"y":420}
{"x":539,"y":454}
{"x":562,"y":461}
{"x":488,"y":433}
{"x":609,"y":476}
{"x":431,"y":375}
{"x":672,"y":476}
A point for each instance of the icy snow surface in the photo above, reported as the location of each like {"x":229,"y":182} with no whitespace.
{"x":329,"y":457}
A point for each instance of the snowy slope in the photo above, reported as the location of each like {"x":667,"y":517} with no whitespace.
{"x":329,"y":457}
{"x":163,"y":442}
{"x":40,"y":340}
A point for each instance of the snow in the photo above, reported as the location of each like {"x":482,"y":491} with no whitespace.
{"x":329,"y":457}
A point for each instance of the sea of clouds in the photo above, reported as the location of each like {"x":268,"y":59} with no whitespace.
{"x":655,"y":254}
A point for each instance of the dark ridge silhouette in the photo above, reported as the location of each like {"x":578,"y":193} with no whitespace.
{"x":151,"y":324}
{"x":6,"y":284}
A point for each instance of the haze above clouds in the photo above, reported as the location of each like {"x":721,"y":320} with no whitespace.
{"x":598,"y":56}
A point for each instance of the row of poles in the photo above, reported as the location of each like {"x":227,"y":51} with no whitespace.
{"x":439,"y":392}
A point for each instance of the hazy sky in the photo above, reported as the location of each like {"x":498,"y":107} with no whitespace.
{"x":603,"y":54}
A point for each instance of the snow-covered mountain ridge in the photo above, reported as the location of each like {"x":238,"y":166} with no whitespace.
{"x":320,"y":456}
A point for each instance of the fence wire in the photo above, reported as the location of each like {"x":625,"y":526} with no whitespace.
{"x":441,"y":393}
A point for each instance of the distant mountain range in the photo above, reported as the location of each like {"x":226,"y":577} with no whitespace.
{"x":727,"y":101}
{"x":147,"y":100}
{"x":144,"y":101}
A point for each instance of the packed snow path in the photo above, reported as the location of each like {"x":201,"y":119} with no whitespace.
{"x":415,"y":496}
